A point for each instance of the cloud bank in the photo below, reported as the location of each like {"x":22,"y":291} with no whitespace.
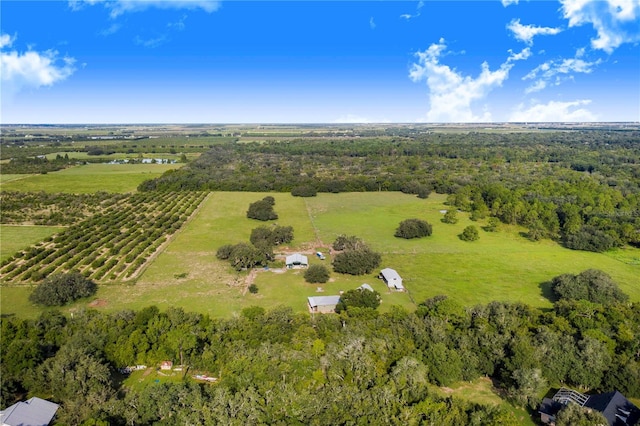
{"x":119,"y":7}
{"x":451,"y":94}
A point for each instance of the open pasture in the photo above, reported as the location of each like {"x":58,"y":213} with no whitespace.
{"x":91,"y":178}
{"x":14,"y":238}
{"x":499,"y":266}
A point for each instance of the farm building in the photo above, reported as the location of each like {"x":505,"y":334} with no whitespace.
{"x":34,"y":411}
{"x":617,"y":409}
{"x":323,"y":304}
{"x":392,"y":279}
{"x":166,"y":365}
{"x":365,"y":286}
{"x":297,"y":260}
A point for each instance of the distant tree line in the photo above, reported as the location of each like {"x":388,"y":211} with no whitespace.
{"x":580,"y":188}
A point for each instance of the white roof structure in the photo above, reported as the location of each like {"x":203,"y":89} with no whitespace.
{"x":366,"y":286}
{"x":315,"y":301}
{"x":297,"y":259}
{"x":32,"y":412}
{"x":392,"y":278}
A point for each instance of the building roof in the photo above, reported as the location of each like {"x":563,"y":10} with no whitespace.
{"x":392,"y":277}
{"x":297,"y":259}
{"x":32,"y":412}
{"x":366,"y":286}
{"x":315,"y":301}
{"x":617,"y":409}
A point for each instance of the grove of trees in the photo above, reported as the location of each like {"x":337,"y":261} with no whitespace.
{"x":355,"y":257}
{"x":60,"y":289}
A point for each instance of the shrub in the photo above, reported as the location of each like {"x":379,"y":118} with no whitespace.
{"x":470,"y":233}
{"x":451,"y":216}
{"x":60,"y":289}
{"x":316,"y":274}
{"x":253,"y":289}
{"x":344,"y":242}
{"x":413,"y":228}
{"x":224,"y":252}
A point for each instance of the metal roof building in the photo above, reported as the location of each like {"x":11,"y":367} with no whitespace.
{"x":32,"y":412}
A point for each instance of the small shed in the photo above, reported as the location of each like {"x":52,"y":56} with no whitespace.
{"x":297,"y":261}
{"x":392,"y":279}
{"x":166,"y":365}
{"x":323,"y":304}
{"x":365,"y":286}
{"x":34,"y":411}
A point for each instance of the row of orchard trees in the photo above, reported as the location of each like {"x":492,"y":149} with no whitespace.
{"x":281,"y":367}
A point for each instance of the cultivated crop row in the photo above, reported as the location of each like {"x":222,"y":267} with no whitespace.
{"x":111,"y":245}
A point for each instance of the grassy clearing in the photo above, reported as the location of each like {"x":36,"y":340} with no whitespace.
{"x":481,"y":391}
{"x":14,"y":238}
{"x":11,"y":177}
{"x":91,"y":178}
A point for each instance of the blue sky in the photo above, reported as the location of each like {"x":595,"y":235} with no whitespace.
{"x":194,"y":61}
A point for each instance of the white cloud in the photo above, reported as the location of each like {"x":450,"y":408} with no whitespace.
{"x":554,"y":111}
{"x":615,"y":21}
{"x":526,"y":33}
{"x":150,"y":42}
{"x":506,"y":3}
{"x":372,"y":23}
{"x":557,"y":71}
{"x":408,"y":16}
{"x":450,"y":93}
{"x":6,"y":40}
{"x":119,"y":7}
{"x":31,"y":69}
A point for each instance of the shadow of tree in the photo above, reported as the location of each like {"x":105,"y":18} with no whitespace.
{"x":547,"y":291}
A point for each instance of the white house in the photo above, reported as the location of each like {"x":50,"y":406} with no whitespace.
{"x":297,"y":260}
{"x":323,"y":304}
{"x":392,"y":279}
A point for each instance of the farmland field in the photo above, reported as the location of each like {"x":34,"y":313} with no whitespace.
{"x":91,"y":178}
{"x":14,"y":238}
{"x":499,"y":266}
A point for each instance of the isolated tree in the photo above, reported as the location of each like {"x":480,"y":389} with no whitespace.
{"x":344,"y":242}
{"x":356,"y":262}
{"x":413,"y":228}
{"x":60,"y":289}
{"x":451,"y":216}
{"x":262,"y":210}
{"x":593,"y":285}
{"x":273,"y":236}
{"x":470,"y":233}
{"x":316,"y":274}
{"x":358,"y":298}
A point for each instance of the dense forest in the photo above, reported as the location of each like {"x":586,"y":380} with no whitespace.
{"x":581,"y":188}
{"x":359,"y":367}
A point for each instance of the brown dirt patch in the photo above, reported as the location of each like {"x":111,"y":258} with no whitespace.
{"x":98,"y":303}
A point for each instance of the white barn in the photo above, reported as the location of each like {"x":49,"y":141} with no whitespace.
{"x":323,"y":304}
{"x":298,"y":260}
{"x":392,"y":279}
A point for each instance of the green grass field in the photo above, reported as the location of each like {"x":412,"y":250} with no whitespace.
{"x":499,"y":266}
{"x":14,"y":238}
{"x":91,"y":178}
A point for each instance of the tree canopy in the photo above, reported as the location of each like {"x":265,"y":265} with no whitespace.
{"x":316,"y":274}
{"x":593,"y":285}
{"x":60,"y":289}
{"x":413,"y":228}
{"x":262,"y":209}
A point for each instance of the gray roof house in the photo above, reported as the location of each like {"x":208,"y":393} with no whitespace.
{"x":392,"y":278}
{"x":617,"y":409}
{"x":323,"y":304}
{"x":32,"y":412}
